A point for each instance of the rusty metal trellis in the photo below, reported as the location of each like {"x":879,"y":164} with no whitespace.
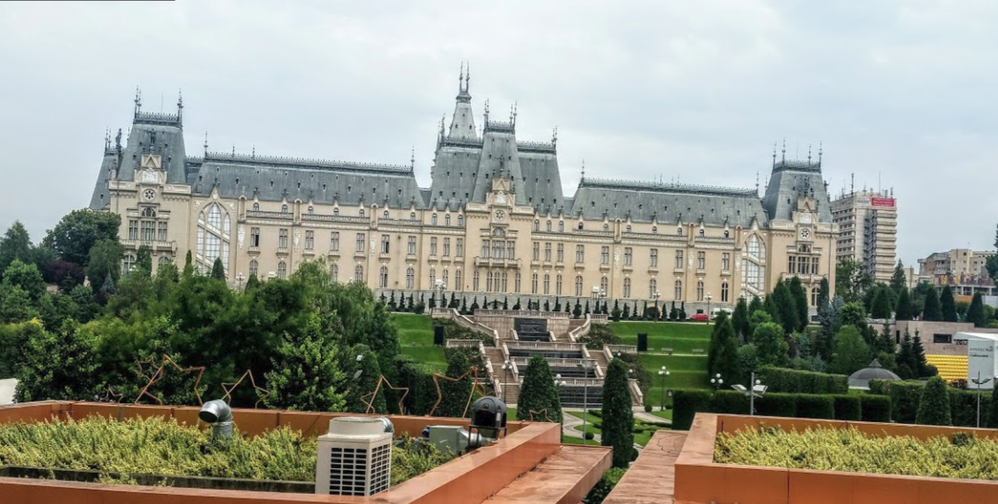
{"x":158,"y":375}
{"x":475,"y":385}
{"x":228,"y":390}
{"x":372,"y":395}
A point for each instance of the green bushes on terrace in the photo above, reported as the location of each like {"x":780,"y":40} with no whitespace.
{"x":156,"y":446}
{"x":961,"y":456}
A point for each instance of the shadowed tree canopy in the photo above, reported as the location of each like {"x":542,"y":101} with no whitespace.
{"x":975,"y":313}
{"x":14,"y":245}
{"x":618,"y":417}
{"x":947,"y":304}
{"x":80,"y":230}
{"x":904,"y":310}
{"x":934,"y":406}
{"x":538,"y":393}
{"x":932,"y":311}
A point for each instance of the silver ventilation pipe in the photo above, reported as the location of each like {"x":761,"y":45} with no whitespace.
{"x":219,"y":415}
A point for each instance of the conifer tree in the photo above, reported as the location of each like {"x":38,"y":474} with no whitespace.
{"x":722,"y":354}
{"x":627,"y":312}
{"x":538,"y":394}
{"x":919,"y":350}
{"x":932,"y":310}
{"x":800,"y":302}
{"x":618,"y":417}
{"x":934,"y":406}
{"x":454,"y":395}
{"x":880,"y":308}
{"x":904,"y":309}
{"x":947,"y":304}
{"x":975,"y":313}
{"x":740,"y":319}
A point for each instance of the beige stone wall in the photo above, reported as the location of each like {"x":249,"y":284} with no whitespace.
{"x":927,"y":330}
{"x":626,"y":268}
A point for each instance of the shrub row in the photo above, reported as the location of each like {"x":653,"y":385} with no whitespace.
{"x":803,"y":382}
{"x":905,"y":397}
{"x":867,"y":407}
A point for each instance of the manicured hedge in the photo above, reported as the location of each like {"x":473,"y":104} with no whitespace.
{"x":803,"y":382}
{"x":815,"y":406}
{"x":848,"y":407}
{"x":876,"y":408}
{"x":867,"y":407}
{"x":880,"y":387}
{"x":686,"y":404}
{"x":905,"y":397}
{"x":963,"y":407}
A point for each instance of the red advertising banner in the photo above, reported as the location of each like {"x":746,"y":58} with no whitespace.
{"x":882,"y":202}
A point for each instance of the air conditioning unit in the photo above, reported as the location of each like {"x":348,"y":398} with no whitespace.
{"x":355,"y":457}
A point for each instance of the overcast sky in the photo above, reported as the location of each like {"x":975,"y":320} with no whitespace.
{"x":900,"y":93}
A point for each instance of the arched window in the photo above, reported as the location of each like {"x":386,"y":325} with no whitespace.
{"x":163,"y":261}
{"x":561,"y":226}
{"x":334,"y":272}
{"x":149,"y":212}
{"x":458,"y":281}
{"x":433,"y":219}
{"x":654,"y":230}
{"x":311,"y":210}
{"x":410,"y":278}
{"x":726,"y":233}
{"x":606,"y":227}
{"x":547,"y":283}
{"x":336,"y":211}
{"x":383,"y":277}
{"x":433,"y":278}
{"x":254,"y":267}
{"x":679,"y":231}
{"x":447,"y":220}
{"x":814,"y":296}
{"x":580,"y":226}
{"x":537,"y":225}
{"x":505,"y":282}
{"x":557,"y":285}
{"x":578,"y":286}
{"x":724,"y":292}
{"x":460,"y":220}
{"x":358,"y":273}
{"x":443,"y":277}
{"x":652,"y":288}
{"x":282,"y":270}
{"x":516,"y":282}
{"x":533,"y":283}
{"x":548,"y":226}
{"x":385,"y":214}
{"x":412,"y":215}
{"x":488,"y":281}
{"x":284,"y":209}
{"x":474,"y":281}
{"x":701,"y":233}
{"x":256,"y":207}
{"x":627,"y":288}
{"x":362,"y":214}
{"x":213,"y":237}
{"x":679,"y":290}
{"x":604,"y":286}
{"x":700,"y":290}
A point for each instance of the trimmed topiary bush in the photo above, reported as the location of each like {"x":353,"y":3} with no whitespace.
{"x":815,"y":406}
{"x":686,"y":404}
{"x":803,"y":382}
{"x":934,"y":407}
{"x":875,"y":408}
{"x":848,"y":407}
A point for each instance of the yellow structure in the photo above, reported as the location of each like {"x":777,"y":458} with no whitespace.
{"x":951,"y":367}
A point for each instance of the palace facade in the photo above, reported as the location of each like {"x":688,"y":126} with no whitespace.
{"x":494,"y":221}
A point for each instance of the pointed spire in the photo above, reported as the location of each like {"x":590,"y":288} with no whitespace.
{"x":583,"y":170}
{"x":460,"y":79}
{"x":467,"y":79}
{"x":809,"y":154}
{"x":784,"y":158}
{"x":180,"y":106}
{"x":138,"y":100}
{"x":206,"y":144}
{"x":412,"y":160}
{"x":462,"y":84}
{"x":554,"y":138}
{"x":757,"y":177}
{"x":819,"y":152}
{"x":774,"y":154}
{"x":253,"y":154}
{"x":233,"y":150}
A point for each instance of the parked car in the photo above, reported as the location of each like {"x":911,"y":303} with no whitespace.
{"x":700,"y":317}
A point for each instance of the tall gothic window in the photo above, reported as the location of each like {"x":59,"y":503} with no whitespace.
{"x":458,"y":281}
{"x":679,"y":290}
{"x":254,"y":267}
{"x":578,"y":286}
{"x":213,"y":237}
{"x":358,"y":273}
{"x":724,"y":292}
{"x":383,"y":277}
{"x":627,"y":288}
{"x":282,"y":270}
{"x":700,"y":291}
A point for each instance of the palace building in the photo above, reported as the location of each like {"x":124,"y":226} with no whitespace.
{"x":494,"y":221}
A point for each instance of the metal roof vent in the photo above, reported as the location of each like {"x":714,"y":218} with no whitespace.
{"x":355,"y":457}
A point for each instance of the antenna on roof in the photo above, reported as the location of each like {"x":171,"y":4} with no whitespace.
{"x":809,"y":154}
{"x":467,"y":78}
{"x":784,"y":158}
{"x":774,"y":155}
{"x":757,"y":177}
{"x":819,"y":152}
{"x":138,"y":100}
{"x":554,"y":137}
{"x":583,"y":169}
{"x":205,"y":144}
{"x":233,"y":150}
{"x":180,"y":105}
{"x":412,"y":160}
{"x":253,"y":152}
{"x":852,"y":183}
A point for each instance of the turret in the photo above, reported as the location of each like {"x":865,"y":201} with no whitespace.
{"x":462,"y":125}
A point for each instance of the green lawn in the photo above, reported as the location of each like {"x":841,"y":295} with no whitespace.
{"x":641,"y":439}
{"x":661,"y":330}
{"x":416,"y":338}
{"x":685,"y":369}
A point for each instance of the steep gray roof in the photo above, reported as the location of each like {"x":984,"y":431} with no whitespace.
{"x":666,"y":202}
{"x":100,"y":197}
{"x":155,"y":133}
{"x":275,"y":178}
{"x":794,"y":179}
{"x":541,"y":181}
{"x":454,"y":171}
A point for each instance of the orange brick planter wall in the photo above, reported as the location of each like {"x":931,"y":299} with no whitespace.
{"x":699,"y":479}
{"x":468,"y":479}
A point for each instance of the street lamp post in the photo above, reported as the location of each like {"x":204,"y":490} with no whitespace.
{"x":663,"y":373}
{"x":709,"y":297}
{"x":239,"y":280}
{"x":717,"y":381}
{"x":978,"y":381}
{"x":656,"y":295}
{"x":506,"y":367}
{"x":587,"y":366}
{"x":758,"y":389}
{"x":559,"y":384}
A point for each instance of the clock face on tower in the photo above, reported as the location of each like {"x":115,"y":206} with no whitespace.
{"x":805,"y":233}
{"x":149,"y":194}
{"x":500,"y":215}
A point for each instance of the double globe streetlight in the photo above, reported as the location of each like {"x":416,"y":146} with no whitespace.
{"x":663,"y":373}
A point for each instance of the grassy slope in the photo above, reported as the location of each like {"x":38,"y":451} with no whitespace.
{"x":685,"y":371}
{"x":416,"y":338}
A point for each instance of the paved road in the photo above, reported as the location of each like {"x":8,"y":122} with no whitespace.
{"x":7,"y":391}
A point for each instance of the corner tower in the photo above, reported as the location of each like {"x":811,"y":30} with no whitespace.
{"x":462,"y":126}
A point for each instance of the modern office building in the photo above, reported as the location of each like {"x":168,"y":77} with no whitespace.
{"x":867,"y":223}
